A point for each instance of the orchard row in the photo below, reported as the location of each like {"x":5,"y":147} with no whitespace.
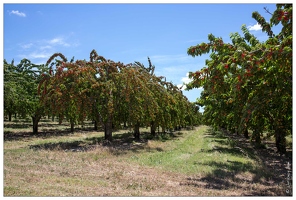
{"x":247,"y":83}
{"x":111,"y":94}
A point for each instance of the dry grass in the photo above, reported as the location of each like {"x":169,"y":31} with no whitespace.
{"x":189,"y":163}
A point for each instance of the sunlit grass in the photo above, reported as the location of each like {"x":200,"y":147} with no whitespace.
{"x":46,"y":165}
{"x":193,"y":153}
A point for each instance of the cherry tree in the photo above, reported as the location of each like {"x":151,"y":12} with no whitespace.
{"x":247,"y":83}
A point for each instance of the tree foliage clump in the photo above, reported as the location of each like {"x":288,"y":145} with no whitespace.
{"x":20,"y":90}
{"x":247,"y":83}
{"x":111,"y":94}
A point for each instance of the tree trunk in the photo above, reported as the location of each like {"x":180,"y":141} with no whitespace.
{"x":280,"y":141}
{"x":72,"y":126}
{"x":108,"y":129}
{"x":256,"y":136}
{"x":137,"y":131}
{"x":280,"y":136}
{"x":246,"y":134}
{"x":35,"y":119}
{"x":60,"y":119}
{"x":232,"y":130}
{"x":9,"y":117}
{"x":98,"y":119}
{"x":178,"y":128}
{"x":52,"y":118}
{"x":153,"y":128}
{"x":96,"y":125}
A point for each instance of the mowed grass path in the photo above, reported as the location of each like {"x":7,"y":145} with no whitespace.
{"x":197,"y":162}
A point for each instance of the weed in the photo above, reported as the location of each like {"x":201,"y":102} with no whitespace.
{"x":232,"y":143}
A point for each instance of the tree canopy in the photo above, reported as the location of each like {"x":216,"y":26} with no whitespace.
{"x":20,"y":90}
{"x":247,"y":83}
{"x":113,"y":93}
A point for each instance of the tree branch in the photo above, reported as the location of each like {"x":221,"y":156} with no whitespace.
{"x":267,"y":10}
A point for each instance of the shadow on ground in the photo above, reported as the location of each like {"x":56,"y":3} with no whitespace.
{"x":18,"y":130}
{"x":121,"y":143}
{"x":267,"y":180}
{"x":18,"y":126}
{"x":12,"y":136}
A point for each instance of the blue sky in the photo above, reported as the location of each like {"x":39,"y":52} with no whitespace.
{"x":125,"y":32}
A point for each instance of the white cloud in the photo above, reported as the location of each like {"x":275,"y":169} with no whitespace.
{"x":181,"y":86}
{"x":18,"y":13}
{"x":27,"y":46}
{"x":185,"y":80}
{"x":58,"y":41}
{"x":45,"y":47}
{"x":40,"y":55}
{"x":35,"y":54}
{"x":39,"y":51}
{"x":47,"y":44}
{"x":255,"y":27}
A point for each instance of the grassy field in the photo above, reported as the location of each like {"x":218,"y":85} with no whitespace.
{"x":198,"y":162}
